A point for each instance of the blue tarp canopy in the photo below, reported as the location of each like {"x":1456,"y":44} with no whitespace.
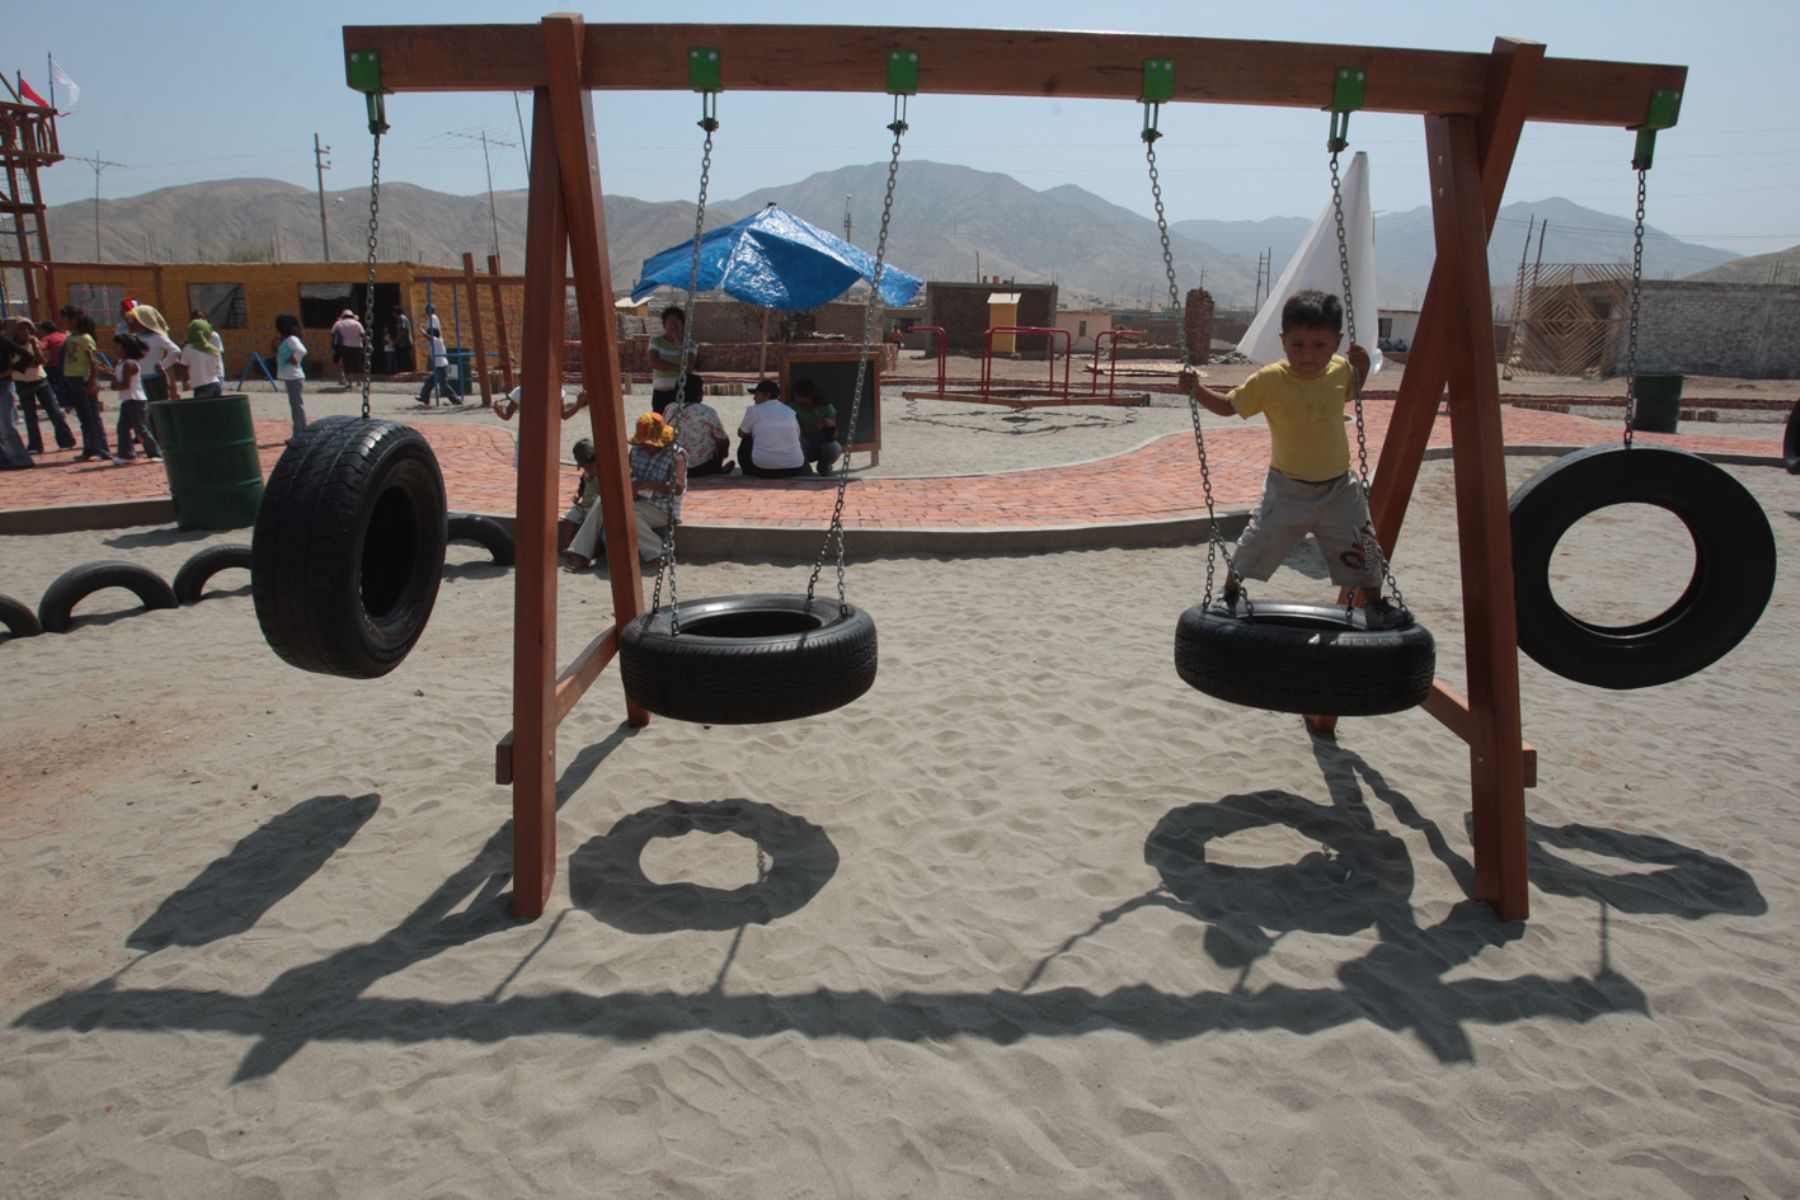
{"x":773,"y":259}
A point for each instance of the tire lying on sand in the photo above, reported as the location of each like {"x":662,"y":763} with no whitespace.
{"x":348,"y":550}
{"x":1288,"y":656}
{"x":1734,"y":565}
{"x":485,"y":532}
{"x":56,"y":609}
{"x":745,"y":660}
{"x":190,"y":582}
{"x":18,"y":618}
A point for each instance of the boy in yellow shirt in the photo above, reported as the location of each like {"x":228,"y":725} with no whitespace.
{"x":1310,"y":487}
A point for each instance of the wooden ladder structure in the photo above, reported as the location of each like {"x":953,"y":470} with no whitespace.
{"x":1473,"y":107}
{"x":28,"y":144}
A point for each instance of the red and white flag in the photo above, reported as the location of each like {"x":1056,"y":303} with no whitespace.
{"x":26,"y":91}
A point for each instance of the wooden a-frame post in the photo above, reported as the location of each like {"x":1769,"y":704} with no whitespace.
{"x":1474,"y":107}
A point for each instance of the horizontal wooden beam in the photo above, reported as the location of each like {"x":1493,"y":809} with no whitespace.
{"x":571,"y":685}
{"x":988,"y":62}
{"x":1451,"y":710}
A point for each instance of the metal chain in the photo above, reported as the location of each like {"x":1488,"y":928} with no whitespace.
{"x":1637,"y":291}
{"x":1215,"y":542}
{"x":871,"y":315}
{"x":369,"y":291}
{"x":1372,"y":542}
{"x":666,"y":565}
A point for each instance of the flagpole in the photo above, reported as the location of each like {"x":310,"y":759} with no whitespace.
{"x":50,"y":75}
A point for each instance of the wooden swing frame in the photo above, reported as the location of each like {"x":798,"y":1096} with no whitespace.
{"x":1473,"y":105}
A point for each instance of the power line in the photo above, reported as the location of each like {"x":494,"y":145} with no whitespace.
{"x":493,"y":213}
{"x":99,"y":165}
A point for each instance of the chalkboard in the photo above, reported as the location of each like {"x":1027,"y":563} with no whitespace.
{"x":834,"y":374}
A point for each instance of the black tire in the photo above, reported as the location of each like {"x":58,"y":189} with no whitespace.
{"x":1734,"y":565}
{"x":18,"y":618}
{"x":1304,"y":658}
{"x":191,"y":580}
{"x":745,"y":660}
{"x":56,"y":609}
{"x":1790,"y":443}
{"x":485,"y":532}
{"x":348,"y":550}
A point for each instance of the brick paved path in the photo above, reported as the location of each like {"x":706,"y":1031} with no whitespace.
{"x":1157,"y":481}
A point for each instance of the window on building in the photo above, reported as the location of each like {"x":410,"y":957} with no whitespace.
{"x":1082,"y":332}
{"x":98,"y":300}
{"x":223,"y":303}
{"x":322,"y":303}
{"x":1384,"y":327}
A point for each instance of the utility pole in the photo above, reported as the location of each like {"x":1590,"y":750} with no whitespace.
{"x":493,"y":215}
{"x":847,"y":218}
{"x":319,"y":164}
{"x":99,"y":165}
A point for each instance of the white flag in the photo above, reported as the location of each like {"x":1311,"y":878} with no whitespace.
{"x":60,"y":78}
{"x":1315,"y":265}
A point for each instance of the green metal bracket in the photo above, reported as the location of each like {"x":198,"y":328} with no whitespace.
{"x":903,"y":72}
{"x":1159,"y":80}
{"x":703,"y":69}
{"x":1159,"y":88}
{"x":364,"y":72}
{"x":1665,"y":110}
{"x":1346,"y":97}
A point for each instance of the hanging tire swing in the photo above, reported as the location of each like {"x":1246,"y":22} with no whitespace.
{"x":741,"y":660}
{"x":1734,"y":548}
{"x":1287,"y":656}
{"x":1734,"y":565}
{"x":348,"y":549}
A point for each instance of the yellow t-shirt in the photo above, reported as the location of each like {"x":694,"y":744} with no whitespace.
{"x":1306,"y":417}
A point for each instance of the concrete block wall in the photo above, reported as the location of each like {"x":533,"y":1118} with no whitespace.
{"x":1750,"y":331}
{"x":962,"y":309}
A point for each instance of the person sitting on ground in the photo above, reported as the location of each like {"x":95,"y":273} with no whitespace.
{"x":203,"y":362}
{"x":663,"y":355}
{"x":578,"y":532}
{"x":658,"y":479}
{"x":769,"y":436}
{"x":1310,"y":487}
{"x":347,"y":347}
{"x":701,"y":434}
{"x":134,"y":407}
{"x":818,"y":425}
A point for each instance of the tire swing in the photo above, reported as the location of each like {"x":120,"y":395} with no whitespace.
{"x":1290,"y":656}
{"x":1734,"y":548}
{"x":746,"y":660}
{"x":348,"y":548}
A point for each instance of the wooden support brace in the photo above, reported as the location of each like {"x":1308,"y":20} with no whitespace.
{"x":1485,"y":535}
{"x":1451,"y":710}
{"x":571,"y":685}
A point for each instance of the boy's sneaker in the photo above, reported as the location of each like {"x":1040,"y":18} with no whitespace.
{"x":122,"y":459}
{"x":1382,"y":613}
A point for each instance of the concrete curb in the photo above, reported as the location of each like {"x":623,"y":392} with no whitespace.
{"x":71,"y":518}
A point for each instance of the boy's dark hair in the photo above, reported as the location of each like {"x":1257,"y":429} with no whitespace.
{"x":70,"y":312}
{"x":46,"y":326}
{"x":674,"y":310}
{"x":693,"y":390}
{"x":1312,"y":310}
{"x":84,"y":323}
{"x":287,"y":325}
{"x":807,"y":388}
{"x":129,"y":344}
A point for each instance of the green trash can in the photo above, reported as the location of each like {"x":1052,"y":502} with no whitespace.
{"x":1658,"y":403}
{"x":459,"y":363}
{"x":209,"y":452}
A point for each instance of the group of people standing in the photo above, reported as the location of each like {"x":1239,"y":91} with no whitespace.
{"x":55,"y":367}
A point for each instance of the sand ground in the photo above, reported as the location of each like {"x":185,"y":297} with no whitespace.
{"x":1038,"y":919}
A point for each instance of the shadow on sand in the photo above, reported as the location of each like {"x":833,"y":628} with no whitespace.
{"x":1361,"y":878}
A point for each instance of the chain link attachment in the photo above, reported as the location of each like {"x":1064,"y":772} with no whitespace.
{"x":1637,"y":292}
{"x":834,"y":534}
{"x":374,"y":248}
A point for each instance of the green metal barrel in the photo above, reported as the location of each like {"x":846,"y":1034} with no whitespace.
{"x":209,"y":451}
{"x":1658,"y":403}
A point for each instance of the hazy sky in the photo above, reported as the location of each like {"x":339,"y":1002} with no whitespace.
{"x":187,"y":92}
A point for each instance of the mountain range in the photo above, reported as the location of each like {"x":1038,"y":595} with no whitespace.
{"x":949,"y":223}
